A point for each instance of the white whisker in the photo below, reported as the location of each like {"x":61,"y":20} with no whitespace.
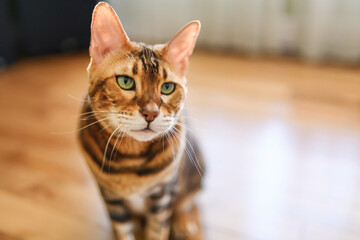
{"x":122,"y":137}
{"x":106,"y":147}
{"x":77,"y":130}
{"x":115,"y":146}
{"x":78,"y":99}
{"x":172,"y":150}
{"x":195,"y":161}
{"x":177,"y":166}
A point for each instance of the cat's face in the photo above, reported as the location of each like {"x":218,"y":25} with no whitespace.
{"x":140,"y":92}
{"x":135,"y":89}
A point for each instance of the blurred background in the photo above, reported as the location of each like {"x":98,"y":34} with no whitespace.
{"x":274,"y":99}
{"x":327,"y":30}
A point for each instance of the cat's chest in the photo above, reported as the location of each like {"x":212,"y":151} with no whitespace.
{"x":137,"y":203}
{"x":140,"y":203}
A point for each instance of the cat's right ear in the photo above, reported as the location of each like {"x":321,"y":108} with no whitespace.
{"x":107,"y":34}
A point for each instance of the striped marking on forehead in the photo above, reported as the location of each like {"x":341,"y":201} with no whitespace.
{"x":135,"y":69}
{"x":165,"y":73}
{"x":149,"y":60}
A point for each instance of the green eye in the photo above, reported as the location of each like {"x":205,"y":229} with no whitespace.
{"x":167,"y":88}
{"x":126,"y":82}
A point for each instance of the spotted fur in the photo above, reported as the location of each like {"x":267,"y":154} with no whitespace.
{"x":144,"y":175}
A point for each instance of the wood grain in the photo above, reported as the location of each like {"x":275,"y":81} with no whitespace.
{"x":281,"y":139}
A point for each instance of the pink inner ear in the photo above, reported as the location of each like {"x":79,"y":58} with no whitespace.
{"x":181,"y":46}
{"x":107,"y":34}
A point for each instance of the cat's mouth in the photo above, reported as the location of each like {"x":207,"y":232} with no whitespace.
{"x":145,"y":130}
{"x":145,"y":134}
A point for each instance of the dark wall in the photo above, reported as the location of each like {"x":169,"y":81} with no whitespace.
{"x":39,"y":27}
{"x":7,"y":36}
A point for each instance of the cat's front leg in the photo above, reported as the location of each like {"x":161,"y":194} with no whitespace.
{"x":121,"y":220}
{"x":186,"y":220}
{"x":123,"y":231}
{"x":158,"y":226}
{"x":120,"y":215}
{"x":159,"y":217}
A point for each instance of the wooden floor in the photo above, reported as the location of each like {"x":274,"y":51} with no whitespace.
{"x":281,"y":140}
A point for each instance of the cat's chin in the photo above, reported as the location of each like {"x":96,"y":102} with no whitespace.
{"x":143,"y":135}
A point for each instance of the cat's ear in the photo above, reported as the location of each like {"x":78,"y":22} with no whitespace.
{"x":107,"y":34}
{"x":179,"y":49}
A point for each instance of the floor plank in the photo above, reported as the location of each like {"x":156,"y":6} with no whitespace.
{"x":281,"y":140}
{"x":28,"y":219}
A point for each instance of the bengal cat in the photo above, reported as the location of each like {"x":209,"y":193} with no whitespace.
{"x":133,"y":134}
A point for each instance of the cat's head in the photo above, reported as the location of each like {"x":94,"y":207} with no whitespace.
{"x":135,"y":89}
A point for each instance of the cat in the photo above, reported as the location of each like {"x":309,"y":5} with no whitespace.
{"x":133,"y":135}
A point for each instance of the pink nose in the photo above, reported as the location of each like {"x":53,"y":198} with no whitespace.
{"x":150,"y":112}
{"x":150,"y":115}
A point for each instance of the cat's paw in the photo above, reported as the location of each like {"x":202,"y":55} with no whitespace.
{"x":187,"y":231}
{"x":187,"y":227}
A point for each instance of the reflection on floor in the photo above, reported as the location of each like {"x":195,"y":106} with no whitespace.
{"x":281,"y":140}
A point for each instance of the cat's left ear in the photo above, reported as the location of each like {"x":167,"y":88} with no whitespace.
{"x":107,"y":34}
{"x":180,"y":48}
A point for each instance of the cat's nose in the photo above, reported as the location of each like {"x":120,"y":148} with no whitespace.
{"x":150,"y":112}
{"x":150,"y":115}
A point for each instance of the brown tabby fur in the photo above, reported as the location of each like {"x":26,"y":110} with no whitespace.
{"x":157,"y":173}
